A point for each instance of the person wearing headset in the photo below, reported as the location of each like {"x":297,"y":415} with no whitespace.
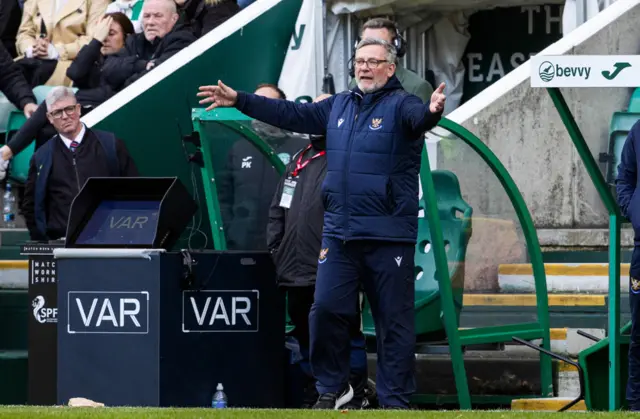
{"x":387,"y":30}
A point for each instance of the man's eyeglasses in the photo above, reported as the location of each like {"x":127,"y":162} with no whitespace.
{"x":371,"y":63}
{"x":69,"y":110}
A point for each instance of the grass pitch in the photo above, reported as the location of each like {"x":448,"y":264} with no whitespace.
{"x":140,"y":413}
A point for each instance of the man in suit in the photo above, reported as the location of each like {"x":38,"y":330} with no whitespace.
{"x":59,"y":168}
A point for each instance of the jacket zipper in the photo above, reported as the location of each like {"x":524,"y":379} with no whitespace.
{"x":344,"y":177}
{"x":75,"y":168}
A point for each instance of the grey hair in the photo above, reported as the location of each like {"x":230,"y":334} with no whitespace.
{"x":58,"y":93}
{"x":391,"y":50}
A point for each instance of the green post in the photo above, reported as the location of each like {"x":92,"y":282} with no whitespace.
{"x":614,"y":242}
{"x":444,"y":281}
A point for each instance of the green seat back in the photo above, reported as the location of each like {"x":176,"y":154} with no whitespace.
{"x":621,"y":124}
{"x":19,"y":168}
{"x":455,"y":218}
{"x":634,"y":102}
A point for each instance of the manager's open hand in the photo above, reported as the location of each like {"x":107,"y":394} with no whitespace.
{"x":220,"y":95}
{"x":437,"y":99}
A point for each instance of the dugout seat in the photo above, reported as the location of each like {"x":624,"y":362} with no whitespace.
{"x":621,"y":123}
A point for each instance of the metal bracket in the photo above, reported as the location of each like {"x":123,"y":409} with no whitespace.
{"x":563,"y":359}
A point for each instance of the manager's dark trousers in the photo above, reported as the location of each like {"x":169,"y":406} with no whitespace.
{"x":386,"y":271}
{"x":633,"y":381}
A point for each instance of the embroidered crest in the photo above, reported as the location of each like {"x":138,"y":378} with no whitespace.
{"x":376,"y":124}
{"x":323,"y":255}
{"x":285,"y":157}
{"x":635,"y":285}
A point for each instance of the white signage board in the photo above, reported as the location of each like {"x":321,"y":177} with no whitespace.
{"x":585,"y":71}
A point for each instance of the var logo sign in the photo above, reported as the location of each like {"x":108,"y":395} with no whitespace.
{"x":220,"y":311}
{"x":108,"y":312}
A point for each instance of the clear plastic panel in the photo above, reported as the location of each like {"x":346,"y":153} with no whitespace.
{"x":495,"y":274}
{"x":245,"y":178}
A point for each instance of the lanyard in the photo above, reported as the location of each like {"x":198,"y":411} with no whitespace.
{"x":300,"y":165}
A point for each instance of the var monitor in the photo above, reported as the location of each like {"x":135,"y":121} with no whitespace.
{"x":129,"y":213}
{"x":130,"y":223}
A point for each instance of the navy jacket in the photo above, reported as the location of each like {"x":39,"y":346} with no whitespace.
{"x":374,"y":143}
{"x":627,"y":180}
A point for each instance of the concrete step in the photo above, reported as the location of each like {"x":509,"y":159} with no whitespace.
{"x":579,"y":278}
{"x":552,"y":404}
{"x":528,"y":299}
{"x":14,"y":274}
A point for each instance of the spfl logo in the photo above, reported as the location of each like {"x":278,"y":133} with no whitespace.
{"x":546,"y":71}
{"x":43,"y":314}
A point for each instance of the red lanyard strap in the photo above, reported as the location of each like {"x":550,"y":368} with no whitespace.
{"x":300,"y":165}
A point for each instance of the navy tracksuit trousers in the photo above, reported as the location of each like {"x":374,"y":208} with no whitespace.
{"x":386,"y":271}
{"x":633,"y":381}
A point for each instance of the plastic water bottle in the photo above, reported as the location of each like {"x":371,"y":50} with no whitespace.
{"x":9,"y":209}
{"x":219,"y":398}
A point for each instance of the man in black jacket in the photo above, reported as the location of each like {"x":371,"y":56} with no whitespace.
{"x":294,"y":238}
{"x":247,"y":182}
{"x":14,"y":85}
{"x":59,"y":168}
{"x":17,"y":90}
{"x":160,"y":40}
{"x":10,"y":16}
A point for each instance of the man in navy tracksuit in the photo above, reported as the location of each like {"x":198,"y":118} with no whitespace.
{"x":628,"y":196}
{"x":374,"y":142}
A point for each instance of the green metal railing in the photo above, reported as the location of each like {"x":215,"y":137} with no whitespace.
{"x":457,"y":338}
{"x":614,"y":242}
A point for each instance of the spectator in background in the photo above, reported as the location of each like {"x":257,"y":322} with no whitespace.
{"x":294,"y":239}
{"x":162,"y":37}
{"x":248,"y":181}
{"x":51,"y":34}
{"x":385,"y":29}
{"x":203,"y":16}
{"x":86,"y":73}
{"x":130,"y":8}
{"x":59,"y":169}
{"x":13,"y":84}
{"x":10,"y":14}
{"x":109,"y":38}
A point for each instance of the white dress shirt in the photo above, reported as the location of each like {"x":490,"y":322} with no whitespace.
{"x":78,"y":138}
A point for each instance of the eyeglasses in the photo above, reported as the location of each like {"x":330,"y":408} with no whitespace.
{"x":69,"y":110}
{"x":371,"y":63}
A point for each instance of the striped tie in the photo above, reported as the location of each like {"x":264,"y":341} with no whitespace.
{"x":73,"y":146}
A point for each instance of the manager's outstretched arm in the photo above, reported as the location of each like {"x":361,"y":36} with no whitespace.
{"x":418,"y":117}
{"x":308,"y":118}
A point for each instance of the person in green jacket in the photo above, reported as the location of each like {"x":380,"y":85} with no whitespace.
{"x":387,"y":30}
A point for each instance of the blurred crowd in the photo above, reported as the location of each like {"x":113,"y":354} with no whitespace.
{"x":98,"y":47}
